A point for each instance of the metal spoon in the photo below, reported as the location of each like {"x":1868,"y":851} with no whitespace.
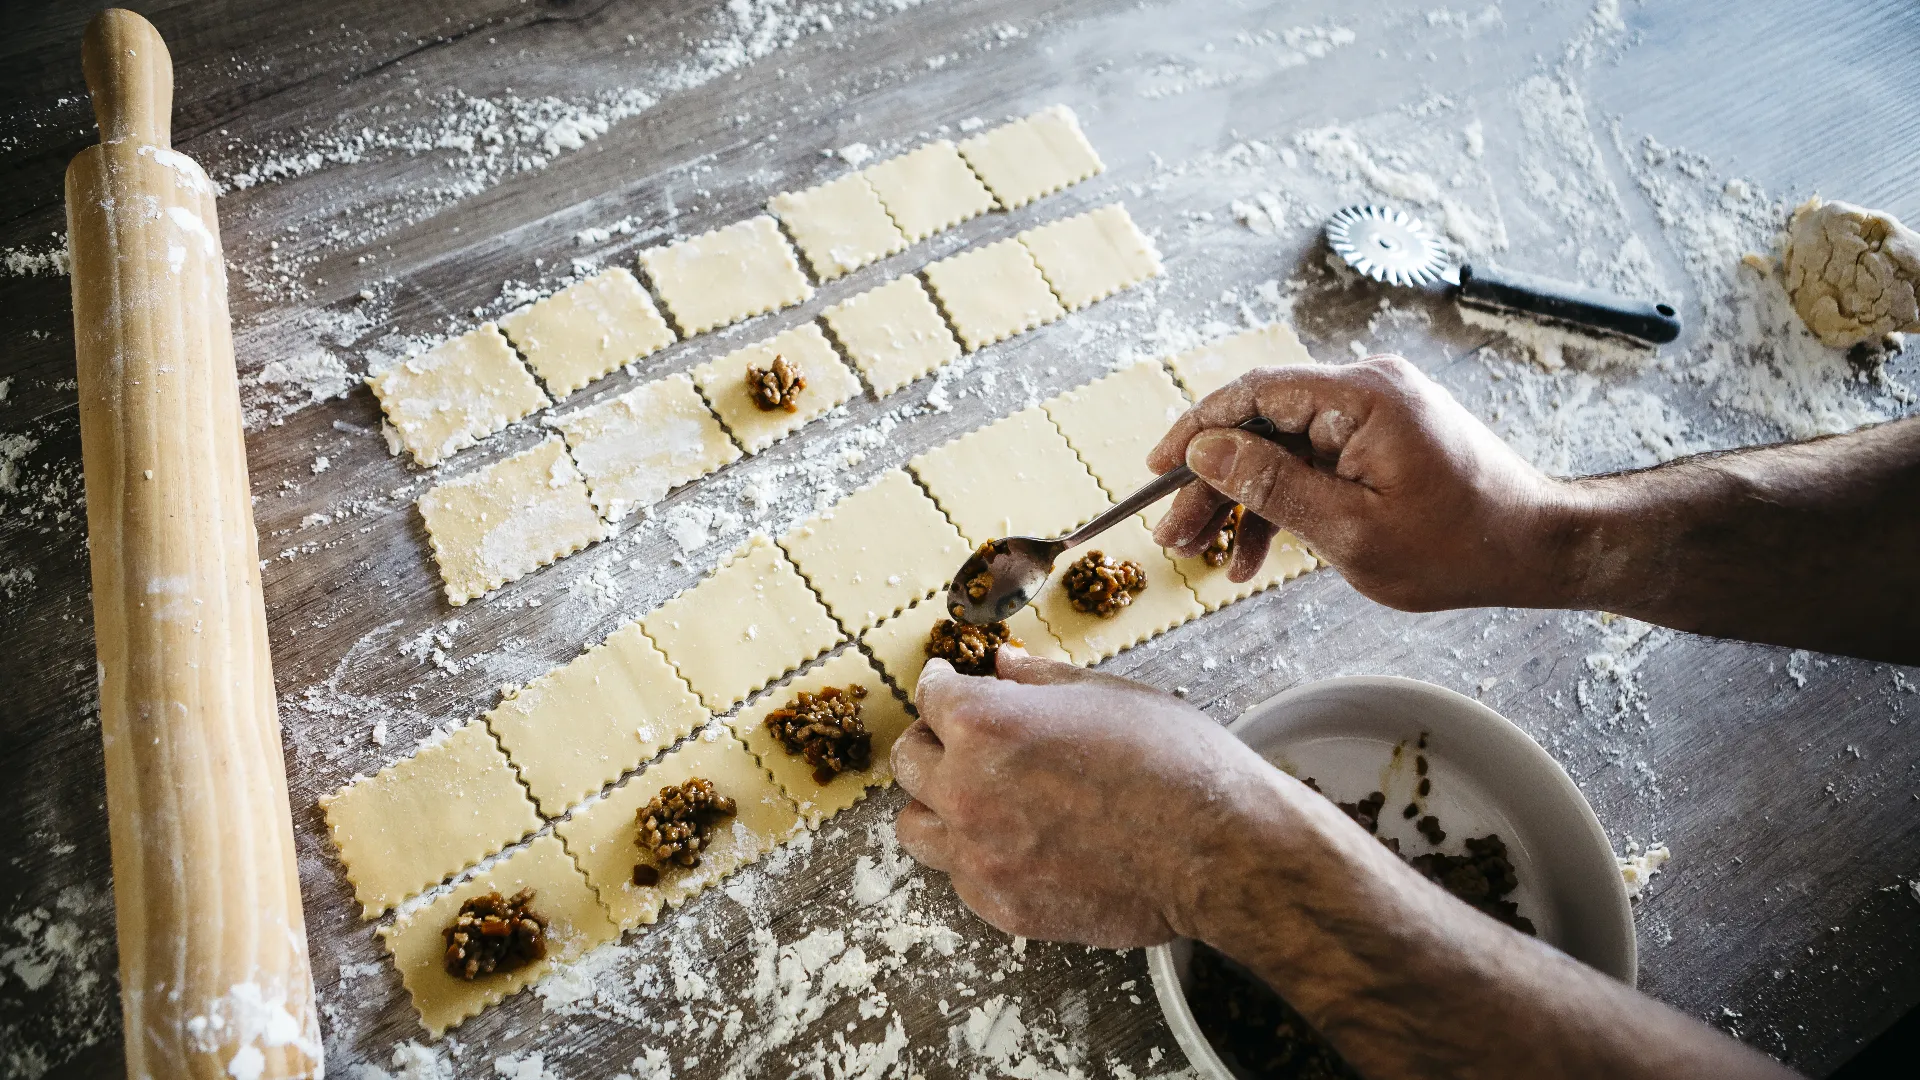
{"x":1005,"y":575}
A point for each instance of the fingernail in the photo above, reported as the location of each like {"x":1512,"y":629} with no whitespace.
{"x":1210,"y":456}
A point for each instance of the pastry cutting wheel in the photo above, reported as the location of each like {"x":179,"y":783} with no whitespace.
{"x":1390,"y":245}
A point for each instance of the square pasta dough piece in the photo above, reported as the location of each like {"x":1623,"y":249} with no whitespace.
{"x":1091,"y":256}
{"x":456,"y":393}
{"x":410,"y":825}
{"x":635,"y":448}
{"x":1015,"y":477}
{"x":1113,"y":421}
{"x":894,"y":333}
{"x":1165,"y":603}
{"x":604,"y":836}
{"x":830,"y":383}
{"x":1210,"y":367}
{"x":743,"y":626}
{"x":509,"y":519}
{"x":928,"y":190}
{"x":1287,"y":559}
{"x":576,"y":925}
{"x":586,"y":330}
{"x":993,"y":293}
{"x":884,"y":715}
{"x":579,"y":727}
{"x":900,"y":643}
{"x":720,"y":277}
{"x":1033,"y":156}
{"x":840,"y":225}
{"x":877,"y":550}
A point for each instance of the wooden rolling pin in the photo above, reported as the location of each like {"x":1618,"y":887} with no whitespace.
{"x":213,"y":950}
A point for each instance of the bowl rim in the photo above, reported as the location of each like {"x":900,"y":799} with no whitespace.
{"x":1160,"y":964}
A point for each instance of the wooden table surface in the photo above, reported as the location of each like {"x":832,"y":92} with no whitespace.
{"x":1784,"y":783}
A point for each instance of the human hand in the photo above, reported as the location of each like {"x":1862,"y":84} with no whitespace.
{"x":1067,"y":804}
{"x":1411,"y":497}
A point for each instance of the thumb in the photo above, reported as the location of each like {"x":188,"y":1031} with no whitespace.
{"x":1018,"y":666}
{"x":1268,"y":479}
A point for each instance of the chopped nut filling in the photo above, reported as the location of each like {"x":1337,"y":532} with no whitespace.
{"x":981,"y":583}
{"x":1481,"y":877}
{"x":1220,"y":549}
{"x":970,"y":649}
{"x":1102,"y":586}
{"x":675,"y":823}
{"x":776,"y":386}
{"x":826,"y":729}
{"x":491,"y":934}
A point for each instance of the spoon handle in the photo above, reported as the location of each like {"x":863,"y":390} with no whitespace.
{"x":1156,"y":489}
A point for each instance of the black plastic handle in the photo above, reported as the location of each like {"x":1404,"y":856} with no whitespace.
{"x":1560,"y":301}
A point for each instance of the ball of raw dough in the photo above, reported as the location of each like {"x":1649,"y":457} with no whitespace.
{"x":1852,"y":272}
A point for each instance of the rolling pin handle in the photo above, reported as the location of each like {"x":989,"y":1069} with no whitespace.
{"x":130,"y":75}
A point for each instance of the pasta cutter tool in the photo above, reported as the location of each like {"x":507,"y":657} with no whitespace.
{"x":1390,"y":245}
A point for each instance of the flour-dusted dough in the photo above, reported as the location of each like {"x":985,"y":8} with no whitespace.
{"x":840,"y":225}
{"x":877,"y":550}
{"x":748,"y":623}
{"x":577,"y":924}
{"x":604,"y":836}
{"x":635,"y":448}
{"x":407,"y":827}
{"x":900,"y":643}
{"x":508,"y":519}
{"x":1033,"y":156}
{"x":580,"y":727}
{"x":830,"y":383}
{"x":1091,"y":256}
{"x":720,"y":277}
{"x":456,"y":393}
{"x":929,"y":190}
{"x":1210,"y":367}
{"x":1165,"y":603}
{"x":1113,"y":421}
{"x":586,"y":330}
{"x":1015,"y":477}
{"x":992,"y":293}
{"x":1287,"y":559}
{"x":893,"y":333}
{"x":1852,"y":273}
{"x":884,"y":715}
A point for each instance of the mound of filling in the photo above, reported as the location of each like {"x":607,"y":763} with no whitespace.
{"x":674,"y":826}
{"x":491,"y":934}
{"x":1220,"y":548}
{"x":776,"y":386}
{"x":1102,"y":586}
{"x":970,"y":649}
{"x":825,"y":728}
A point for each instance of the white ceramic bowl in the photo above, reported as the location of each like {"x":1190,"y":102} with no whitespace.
{"x":1488,"y":776}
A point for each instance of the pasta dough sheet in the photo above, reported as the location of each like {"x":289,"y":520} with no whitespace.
{"x":1165,"y":603}
{"x":900,"y":643}
{"x":840,"y":225}
{"x":1033,"y":156}
{"x":1210,"y":367}
{"x":509,"y":519}
{"x":884,"y":715}
{"x":582,"y":726}
{"x":1015,"y":477}
{"x":455,"y":394}
{"x":577,"y":924}
{"x":877,"y":550}
{"x":1113,"y":421}
{"x":748,"y":623}
{"x":992,"y":293}
{"x":893,"y":333}
{"x":1091,"y":256}
{"x":604,"y":836}
{"x":1287,"y":559}
{"x":586,"y":330}
{"x":635,"y":448}
{"x":422,"y":818}
{"x":830,"y":383}
{"x":720,"y":277}
{"x":928,"y":190}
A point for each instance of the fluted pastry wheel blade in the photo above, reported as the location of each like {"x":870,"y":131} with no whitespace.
{"x":1387,"y":244}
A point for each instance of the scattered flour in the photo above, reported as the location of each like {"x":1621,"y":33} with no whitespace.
{"x":1637,"y":867}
